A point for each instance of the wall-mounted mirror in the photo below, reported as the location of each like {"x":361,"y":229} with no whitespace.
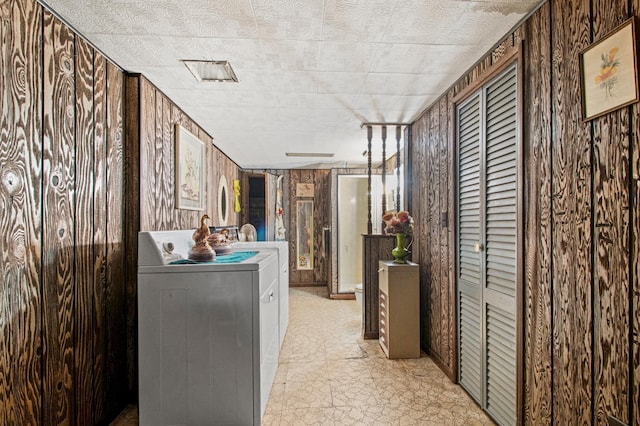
{"x":223,"y":204}
{"x":304,"y":225}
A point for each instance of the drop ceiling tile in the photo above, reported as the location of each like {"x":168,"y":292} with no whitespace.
{"x":340,"y":82}
{"x":133,"y":58}
{"x":356,"y":20}
{"x":387,"y":83}
{"x":423,"y":22}
{"x":346,"y":56}
{"x":337,"y":102}
{"x":430,"y":84}
{"x":291,"y":54}
{"x":419,"y":58}
{"x":288,"y":20}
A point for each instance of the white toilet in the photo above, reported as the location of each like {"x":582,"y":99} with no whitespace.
{"x":358,"y":292}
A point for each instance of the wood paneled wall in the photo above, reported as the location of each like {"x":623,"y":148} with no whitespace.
{"x":153,"y":117}
{"x":62,"y":296}
{"x":321,"y":218}
{"x":581,"y":246}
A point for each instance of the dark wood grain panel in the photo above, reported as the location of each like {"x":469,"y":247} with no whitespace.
{"x":58,"y":181}
{"x":417,"y":205}
{"x":451,"y":215}
{"x":537,"y":264}
{"x":571,"y":225}
{"x":99,"y":235}
{"x":444,"y":193}
{"x":20,"y":213}
{"x":433,"y":177}
{"x":168,"y":167}
{"x":176,"y":117}
{"x":84,"y":260}
{"x":131,"y":150}
{"x":115,"y":311}
{"x":611,"y":244}
{"x":213,"y":171}
{"x":158,"y":169}
{"x":634,"y":374}
{"x":148,"y":195}
{"x":322,"y":218}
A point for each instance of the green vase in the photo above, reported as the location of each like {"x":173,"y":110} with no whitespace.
{"x":400,"y":252}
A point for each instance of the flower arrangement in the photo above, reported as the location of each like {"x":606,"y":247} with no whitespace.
{"x":398,"y":222}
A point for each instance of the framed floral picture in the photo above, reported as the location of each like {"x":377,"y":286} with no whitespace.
{"x":608,"y":72}
{"x":189,"y":170}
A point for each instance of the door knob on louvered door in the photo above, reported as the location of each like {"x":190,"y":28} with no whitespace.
{"x":478,"y":247}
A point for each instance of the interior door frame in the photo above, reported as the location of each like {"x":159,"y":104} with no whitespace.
{"x":514,"y":55}
{"x":332,"y":283}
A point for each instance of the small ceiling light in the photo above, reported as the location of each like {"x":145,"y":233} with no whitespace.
{"x":211,"y":70}
{"x":309,"y":154}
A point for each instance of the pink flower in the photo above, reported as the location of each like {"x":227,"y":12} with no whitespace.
{"x":397,"y":222}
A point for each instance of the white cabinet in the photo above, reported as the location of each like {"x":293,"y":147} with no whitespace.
{"x":208,"y":341}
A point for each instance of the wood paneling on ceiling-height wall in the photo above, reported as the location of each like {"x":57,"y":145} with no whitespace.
{"x":581,"y":263}
{"x":321,"y":218}
{"x":20,"y":213}
{"x":62,"y":351}
{"x":537,"y":152}
{"x":157,"y":117}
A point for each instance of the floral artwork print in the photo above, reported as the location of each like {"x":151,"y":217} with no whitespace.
{"x":609,"y":67}
{"x":608,"y":74}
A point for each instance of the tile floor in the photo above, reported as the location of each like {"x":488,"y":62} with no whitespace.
{"x":328,"y":374}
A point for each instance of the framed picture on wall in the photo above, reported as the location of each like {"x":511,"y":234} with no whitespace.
{"x":608,"y":72}
{"x":189,"y":170}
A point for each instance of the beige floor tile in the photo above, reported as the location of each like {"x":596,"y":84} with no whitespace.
{"x":307,"y":371}
{"x":307,"y":395}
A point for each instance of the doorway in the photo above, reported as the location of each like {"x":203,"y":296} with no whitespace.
{"x":349,"y":217}
{"x":257,"y":206}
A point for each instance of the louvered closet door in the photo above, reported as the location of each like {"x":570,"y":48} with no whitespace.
{"x":469,"y":270}
{"x":487,"y":266}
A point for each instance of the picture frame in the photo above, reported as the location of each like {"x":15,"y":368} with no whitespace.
{"x":189,"y":178}
{"x":305,"y":189}
{"x":608,"y":72}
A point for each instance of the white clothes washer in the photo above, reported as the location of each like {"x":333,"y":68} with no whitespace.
{"x":208,"y":333}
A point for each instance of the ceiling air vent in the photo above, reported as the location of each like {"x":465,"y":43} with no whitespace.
{"x":211,"y":70}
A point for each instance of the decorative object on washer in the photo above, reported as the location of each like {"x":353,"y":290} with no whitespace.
{"x":219,"y":241}
{"x":247,"y":233}
{"x":202,"y":251}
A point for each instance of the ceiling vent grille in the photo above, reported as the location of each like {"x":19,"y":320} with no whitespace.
{"x":211,"y":70}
